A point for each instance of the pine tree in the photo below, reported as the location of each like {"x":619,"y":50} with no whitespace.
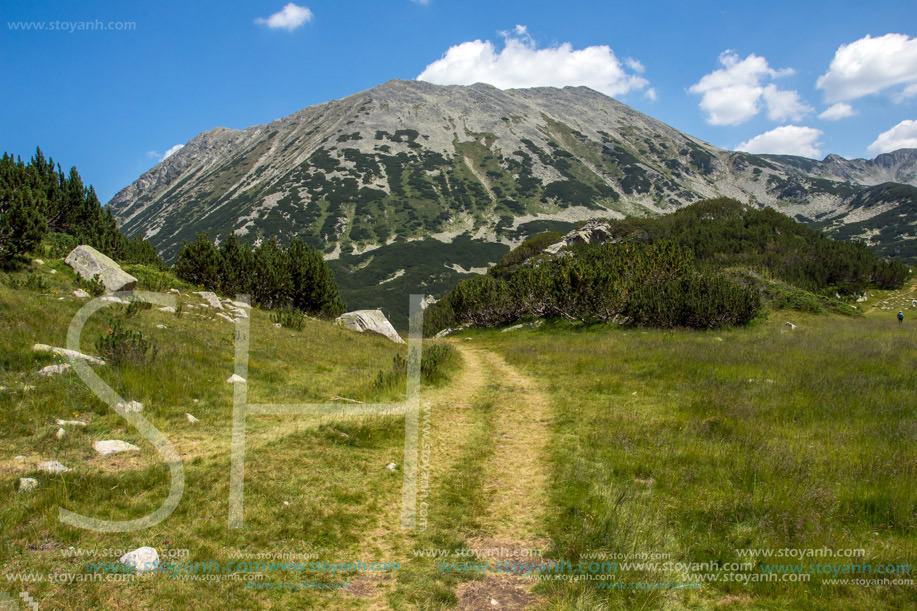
{"x":199,"y":262}
{"x":21,"y":223}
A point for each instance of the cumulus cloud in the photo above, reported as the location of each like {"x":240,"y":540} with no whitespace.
{"x":734,"y":93}
{"x":522,"y":64}
{"x":288,"y":18}
{"x":870,"y":65}
{"x":172,"y":151}
{"x":785,"y":140}
{"x":901,"y":136}
{"x":841,"y":110}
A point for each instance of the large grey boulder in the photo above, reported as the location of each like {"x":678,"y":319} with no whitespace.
{"x":593,"y":232}
{"x":89,"y":263}
{"x":212,"y":300}
{"x":369,"y":320}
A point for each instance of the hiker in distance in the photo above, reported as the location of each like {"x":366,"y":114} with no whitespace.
{"x":900,"y":318}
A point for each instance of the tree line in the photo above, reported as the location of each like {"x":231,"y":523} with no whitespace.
{"x":276,"y":277}
{"x":671,"y":271}
{"x":38,"y":201}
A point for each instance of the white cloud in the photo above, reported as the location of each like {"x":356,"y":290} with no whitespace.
{"x":901,"y":136}
{"x":288,"y":18}
{"x":784,"y":104}
{"x":870,"y":65}
{"x":650,"y":94}
{"x":841,"y":110}
{"x":733,"y":94}
{"x":785,"y":140}
{"x":423,"y":2}
{"x":172,"y":151}
{"x":522,"y":64}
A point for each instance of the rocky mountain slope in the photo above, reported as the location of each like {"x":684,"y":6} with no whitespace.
{"x":410,"y":186}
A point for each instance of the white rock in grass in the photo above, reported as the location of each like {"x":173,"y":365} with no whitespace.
{"x":211,"y":299}
{"x":53,"y":271}
{"x":225,"y":317}
{"x":175,"y":291}
{"x":27,"y":484}
{"x":89,"y":263}
{"x":390,"y":466}
{"x":54,"y":370}
{"x":241,"y":305}
{"x":235,"y":379}
{"x":60,"y":422}
{"x":53,"y":467}
{"x":81,"y":294}
{"x":113,"y":446}
{"x":167,"y":309}
{"x":240,"y":313}
{"x":191,"y":418}
{"x":71,"y":355}
{"x":60,"y":433}
{"x":373,"y":321}
{"x":789,"y":326}
{"x":276,"y":325}
{"x":38,"y":262}
{"x":161,"y":327}
{"x":142,"y":559}
{"x":111,"y":299}
{"x":131,"y":406}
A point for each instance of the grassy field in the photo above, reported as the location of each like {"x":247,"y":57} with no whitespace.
{"x":554,"y":446}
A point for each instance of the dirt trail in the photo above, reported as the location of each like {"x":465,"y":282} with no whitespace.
{"x":515,"y":476}
{"x":516,"y":483}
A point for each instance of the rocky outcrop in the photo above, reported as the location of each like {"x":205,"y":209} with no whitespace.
{"x":593,"y":232}
{"x":89,"y":263}
{"x":369,"y":320}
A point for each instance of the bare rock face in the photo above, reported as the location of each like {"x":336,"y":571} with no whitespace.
{"x":27,"y":484}
{"x":369,"y":320}
{"x":89,"y":263}
{"x":53,"y":467}
{"x":593,"y":232}
{"x":212,"y":300}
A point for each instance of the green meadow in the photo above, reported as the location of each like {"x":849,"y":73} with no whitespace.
{"x":657,"y":458}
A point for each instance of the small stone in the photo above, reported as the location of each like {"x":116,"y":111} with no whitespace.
{"x":493,"y":602}
{"x":225,"y":317}
{"x":276,"y":325}
{"x":27,"y":484}
{"x":38,"y":262}
{"x":161,"y":327}
{"x":390,"y":466}
{"x":191,"y":418}
{"x":60,"y":422}
{"x":53,"y":467}
{"x":113,"y":446}
{"x":60,"y":433}
{"x":286,"y":503}
{"x":81,"y":294}
{"x":111,"y":299}
{"x":195,"y":400}
{"x":167,"y":310}
{"x":175,"y":291}
{"x":130,"y":406}
{"x":27,"y":388}
{"x":53,"y":271}
{"x":789,"y":326}
{"x":142,"y":559}
{"x":54,"y":370}
{"x":240,"y":313}
{"x":235,"y":379}
{"x":20,"y":457}
{"x":71,"y":355}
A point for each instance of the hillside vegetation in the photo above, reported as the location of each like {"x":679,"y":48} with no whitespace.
{"x":712,"y":264}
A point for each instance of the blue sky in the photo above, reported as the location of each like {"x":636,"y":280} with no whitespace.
{"x":736,"y":74}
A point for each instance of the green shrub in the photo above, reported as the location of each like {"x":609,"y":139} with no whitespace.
{"x":435,"y":362}
{"x":290,"y":318}
{"x":135,"y":307}
{"x":94,"y":286}
{"x":697,"y":301}
{"x":32,"y":282}
{"x":121,"y":346}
